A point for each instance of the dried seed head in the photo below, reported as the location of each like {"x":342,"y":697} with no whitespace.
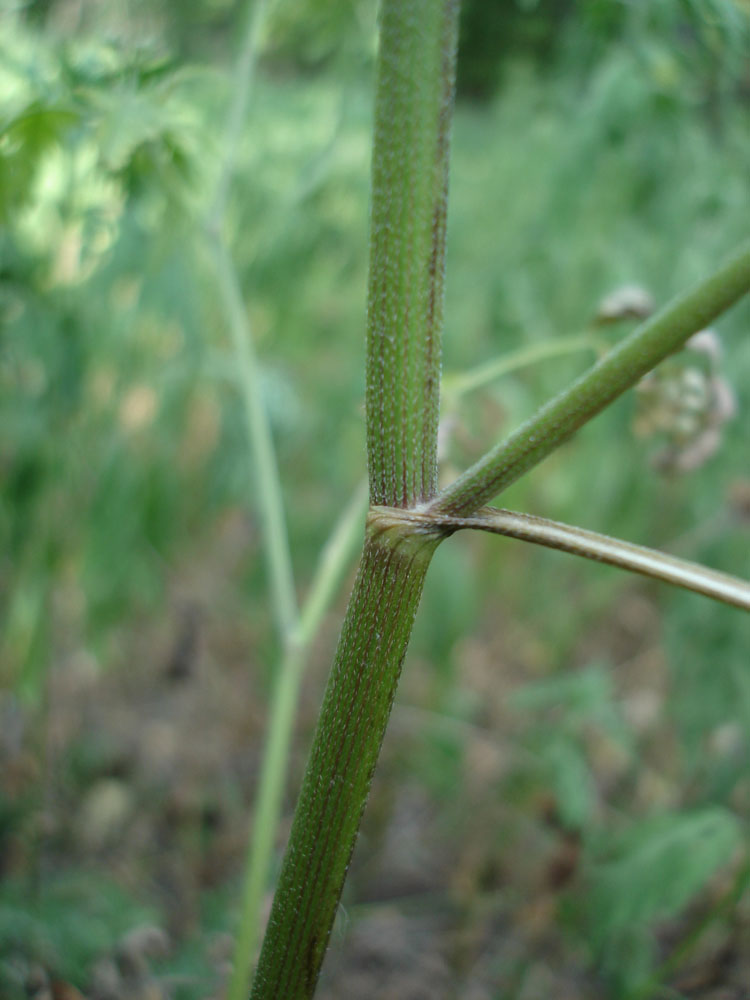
{"x":706,"y":342}
{"x":626,"y":302}
{"x":686,"y":405}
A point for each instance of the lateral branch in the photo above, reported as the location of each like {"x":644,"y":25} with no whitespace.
{"x":588,"y":544}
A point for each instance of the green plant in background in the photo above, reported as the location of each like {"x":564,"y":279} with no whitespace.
{"x":76,"y":923}
{"x":408,"y":516}
{"x":109,"y":311}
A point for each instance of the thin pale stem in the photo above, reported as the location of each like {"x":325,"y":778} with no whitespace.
{"x":591,"y":545}
{"x":455,"y":386}
{"x":275,"y":535}
{"x":265,"y":818}
{"x":242,"y":80}
{"x":266,"y":473}
{"x":413,"y":104}
{"x":336,"y":556}
{"x":556,"y":422}
{"x":258,"y":430}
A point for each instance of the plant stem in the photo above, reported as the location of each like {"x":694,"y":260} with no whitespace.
{"x":416,"y":71}
{"x":295,"y":632}
{"x":284,"y":604}
{"x":265,"y":818}
{"x":258,"y":430}
{"x":284,"y":600}
{"x":556,"y":422}
{"x":592,"y":545}
{"x":347,"y":742}
{"x":414,"y":97}
{"x":336,"y":555}
{"x":455,"y":386}
{"x":242,"y":79}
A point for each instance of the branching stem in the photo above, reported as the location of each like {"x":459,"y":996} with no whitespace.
{"x":556,"y":422}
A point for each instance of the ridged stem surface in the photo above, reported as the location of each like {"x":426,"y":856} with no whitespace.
{"x":413,"y":104}
{"x":350,"y":731}
{"x":414,"y":98}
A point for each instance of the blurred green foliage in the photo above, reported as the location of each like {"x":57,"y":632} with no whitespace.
{"x":610,"y":147}
{"x":648,"y":873}
{"x":65,"y":928}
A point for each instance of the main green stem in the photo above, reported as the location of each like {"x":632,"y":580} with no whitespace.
{"x":414,"y":95}
{"x":414,"y":101}
{"x":347,"y":742}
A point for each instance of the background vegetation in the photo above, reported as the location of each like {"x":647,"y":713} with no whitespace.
{"x":564,"y":796}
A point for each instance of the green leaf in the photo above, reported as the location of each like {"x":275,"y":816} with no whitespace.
{"x":570,"y":777}
{"x":74,"y":920}
{"x":582,"y":693}
{"x":651,"y":871}
{"x":24,"y":140}
{"x":583,"y":697}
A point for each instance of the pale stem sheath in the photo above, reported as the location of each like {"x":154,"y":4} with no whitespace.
{"x":621,"y":368}
{"x":591,"y":545}
{"x":267,"y":809}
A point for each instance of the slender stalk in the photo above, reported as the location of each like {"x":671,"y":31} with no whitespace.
{"x":243,"y":80}
{"x":591,"y":545}
{"x":295,"y":630}
{"x":556,"y":422}
{"x":258,"y":429}
{"x":337,"y":553}
{"x":284,"y":600}
{"x":455,"y":386}
{"x":265,"y":818}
